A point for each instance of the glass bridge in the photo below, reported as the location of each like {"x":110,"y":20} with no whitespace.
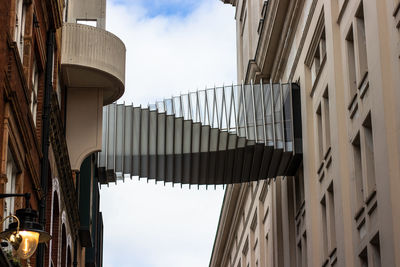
{"x":224,"y":135}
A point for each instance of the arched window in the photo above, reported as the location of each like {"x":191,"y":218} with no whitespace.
{"x":69,"y":257}
{"x":63,"y":247}
{"x":55,"y":229}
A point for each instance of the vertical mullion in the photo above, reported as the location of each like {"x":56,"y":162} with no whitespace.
{"x":282,"y":117}
{"x":254,"y":112}
{"x":273,"y":112}
{"x":263,"y":111}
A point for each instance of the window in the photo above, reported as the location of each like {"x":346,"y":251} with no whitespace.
{"x":358,"y":181}
{"x":376,"y":251}
{"x":267,"y":251}
{"x":356,"y":46}
{"x":359,"y":36}
{"x":318,"y":59}
{"x":351,"y":63}
{"x":319,"y":135}
{"x":327,"y":128}
{"x":331,"y":209}
{"x":20,"y":11}
{"x":324,"y":227}
{"x":35,"y":86}
{"x":363,"y":258}
{"x":59,"y":90}
{"x":299,"y":255}
{"x":65,"y":11}
{"x":299,"y":188}
{"x":90,"y":22}
{"x":369,"y":156}
{"x":11,"y":172}
{"x":305,"y":261}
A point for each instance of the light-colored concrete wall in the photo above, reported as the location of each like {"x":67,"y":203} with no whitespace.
{"x":84,"y":123}
{"x":93,"y":57}
{"x":348,"y":213}
{"x":87,"y":10}
{"x":93,"y":69}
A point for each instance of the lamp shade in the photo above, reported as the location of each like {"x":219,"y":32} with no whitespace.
{"x":30,"y":233}
{"x":28,"y":245}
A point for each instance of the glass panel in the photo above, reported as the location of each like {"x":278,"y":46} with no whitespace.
{"x":177,"y":106}
{"x":278,"y":116}
{"x":219,"y":107}
{"x":152,"y":107}
{"x":259,"y":112}
{"x":248,"y":98}
{"x":169,"y":106}
{"x":185,"y":107}
{"x":160,"y":106}
{"x":211,"y":107}
{"x":268,"y":115}
{"x":194,"y":108}
{"x":287,"y":115}
{"x":202,"y":107}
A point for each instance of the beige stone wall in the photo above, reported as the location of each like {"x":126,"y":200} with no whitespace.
{"x":343,"y":207}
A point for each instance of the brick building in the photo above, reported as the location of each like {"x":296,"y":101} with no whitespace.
{"x":50,"y":120}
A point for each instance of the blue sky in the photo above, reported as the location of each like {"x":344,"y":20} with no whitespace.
{"x":172,"y":47}
{"x":180,"y":8}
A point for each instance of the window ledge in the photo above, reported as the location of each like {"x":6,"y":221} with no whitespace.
{"x":341,"y":12}
{"x":359,"y":213}
{"x":370,"y":196}
{"x":318,"y":76}
{"x":364,"y":85}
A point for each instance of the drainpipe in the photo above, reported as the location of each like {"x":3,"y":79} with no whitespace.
{"x":44,"y":166}
{"x":77,"y":177}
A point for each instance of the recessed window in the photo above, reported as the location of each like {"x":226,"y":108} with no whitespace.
{"x":369,"y":156}
{"x":324,"y":227}
{"x":319,"y":134}
{"x":90,"y":22}
{"x":358,"y":181}
{"x":11,"y":172}
{"x":318,"y":59}
{"x":20,"y":26}
{"x":332,"y":226}
{"x":34,"y":93}
{"x":326,"y":118}
{"x":363,"y":258}
{"x":361,"y":43}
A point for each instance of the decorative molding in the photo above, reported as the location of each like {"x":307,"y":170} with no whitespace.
{"x":59,"y":146}
{"x":286,"y":41}
{"x":341,"y":12}
{"x":315,"y":39}
{"x":303,"y":38}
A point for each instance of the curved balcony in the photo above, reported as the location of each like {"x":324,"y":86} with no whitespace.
{"x":93,"y":57}
{"x":93,"y":70}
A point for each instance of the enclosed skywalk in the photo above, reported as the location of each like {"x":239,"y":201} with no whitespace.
{"x":225,"y":135}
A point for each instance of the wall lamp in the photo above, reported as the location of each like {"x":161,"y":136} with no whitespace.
{"x":25,"y":232}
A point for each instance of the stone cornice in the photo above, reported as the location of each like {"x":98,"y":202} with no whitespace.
{"x":232,"y":2}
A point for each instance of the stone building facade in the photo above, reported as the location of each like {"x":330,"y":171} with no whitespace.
{"x":342,"y":208}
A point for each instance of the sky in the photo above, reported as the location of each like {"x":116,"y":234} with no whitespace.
{"x":173,"y":46}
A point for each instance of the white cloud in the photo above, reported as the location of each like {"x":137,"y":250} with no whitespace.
{"x":153,"y":225}
{"x":169,"y":55}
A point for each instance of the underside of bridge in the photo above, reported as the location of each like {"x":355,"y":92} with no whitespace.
{"x":225,"y":135}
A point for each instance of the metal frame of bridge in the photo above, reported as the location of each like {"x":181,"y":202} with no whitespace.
{"x":225,"y":135}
